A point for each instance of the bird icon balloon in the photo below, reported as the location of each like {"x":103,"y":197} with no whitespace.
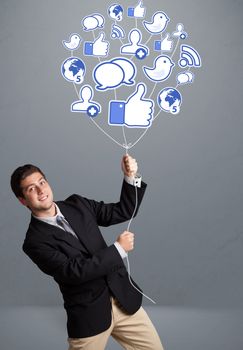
{"x":161,"y":70}
{"x":73,"y":43}
{"x":158,"y":23}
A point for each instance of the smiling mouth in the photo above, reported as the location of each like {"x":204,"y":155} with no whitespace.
{"x":43,"y":198}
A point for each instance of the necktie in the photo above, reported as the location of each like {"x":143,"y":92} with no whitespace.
{"x":64,"y":224}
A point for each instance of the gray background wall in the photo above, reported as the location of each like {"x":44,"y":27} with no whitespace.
{"x":189,"y":232}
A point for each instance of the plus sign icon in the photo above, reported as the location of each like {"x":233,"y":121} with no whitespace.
{"x":138,"y":65}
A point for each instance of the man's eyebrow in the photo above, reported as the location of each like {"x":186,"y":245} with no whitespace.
{"x":25,"y":188}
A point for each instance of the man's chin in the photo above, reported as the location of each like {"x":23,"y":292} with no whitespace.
{"x":44,"y":208}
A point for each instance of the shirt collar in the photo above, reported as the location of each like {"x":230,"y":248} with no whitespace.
{"x":50,"y":219}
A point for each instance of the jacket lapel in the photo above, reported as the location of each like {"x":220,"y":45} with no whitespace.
{"x":59,"y":234}
{"x":76,"y":221}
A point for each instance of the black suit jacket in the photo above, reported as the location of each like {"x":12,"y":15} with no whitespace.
{"x":87,"y":271}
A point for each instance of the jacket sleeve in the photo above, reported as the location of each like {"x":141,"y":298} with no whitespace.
{"x":107,"y":214}
{"x":75,"y":270}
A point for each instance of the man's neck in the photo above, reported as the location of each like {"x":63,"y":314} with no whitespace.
{"x":52,"y":211}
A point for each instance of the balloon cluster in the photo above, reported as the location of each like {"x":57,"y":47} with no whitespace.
{"x":110,"y":73}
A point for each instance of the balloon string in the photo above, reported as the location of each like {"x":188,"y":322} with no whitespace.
{"x":153,"y":90}
{"x":129,"y":277}
{"x":125,"y":146}
{"x":175,"y":48}
{"x":104,"y":132}
{"x":127,"y":259}
{"x":148,"y":39}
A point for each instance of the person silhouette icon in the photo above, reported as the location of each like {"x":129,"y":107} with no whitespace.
{"x":134,"y":47}
{"x":180,"y":32}
{"x":85,"y":104}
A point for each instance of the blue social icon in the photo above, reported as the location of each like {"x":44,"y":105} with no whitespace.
{"x":86,"y":104}
{"x":92,"y":22}
{"x":183,"y":36}
{"x":189,"y":57}
{"x":169,"y":100}
{"x":73,"y":43}
{"x":141,"y":53}
{"x":157,"y":45}
{"x":138,"y":11}
{"x":98,"y":48}
{"x":112,"y":74}
{"x":135,"y":112}
{"x":161,"y":70}
{"x":180,"y":33}
{"x":158,"y":23}
{"x":92,"y":111}
{"x":73,"y":70}
{"x":115,"y":11}
{"x":134,"y":46}
{"x":185,"y":78}
{"x":117,"y":32}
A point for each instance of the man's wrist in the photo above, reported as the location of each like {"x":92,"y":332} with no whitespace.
{"x":135,"y":180}
{"x":121,"y":251}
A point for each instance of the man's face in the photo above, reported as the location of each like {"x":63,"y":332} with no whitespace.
{"x":37,"y":195}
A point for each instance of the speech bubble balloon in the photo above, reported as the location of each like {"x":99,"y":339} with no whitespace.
{"x":90,"y":23}
{"x":190,"y":76}
{"x":182,"y":78}
{"x":128,"y":68}
{"x":185,"y":78}
{"x":100,"y":20}
{"x":108,"y":75}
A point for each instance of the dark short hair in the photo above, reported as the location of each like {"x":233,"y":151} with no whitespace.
{"x":20,"y":174}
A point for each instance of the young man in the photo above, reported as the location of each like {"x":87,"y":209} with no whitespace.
{"x":65,"y":242}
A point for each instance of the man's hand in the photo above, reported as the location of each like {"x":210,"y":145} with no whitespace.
{"x":129,"y":166}
{"x":126,"y":240}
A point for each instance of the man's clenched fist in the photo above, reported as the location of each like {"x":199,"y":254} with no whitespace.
{"x":129,"y":166}
{"x":126,"y":240}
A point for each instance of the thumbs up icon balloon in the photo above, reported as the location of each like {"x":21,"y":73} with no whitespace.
{"x":136,"y":112}
{"x":99,"y":47}
{"x":165,"y":45}
{"x":138,"y":11}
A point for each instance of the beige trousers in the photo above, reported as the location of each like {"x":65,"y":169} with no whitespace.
{"x":132,"y":332}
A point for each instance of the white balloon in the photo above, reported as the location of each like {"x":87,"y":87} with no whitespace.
{"x":100,"y":20}
{"x":90,"y":23}
{"x":128,"y":68}
{"x":185,"y":77}
{"x":182,"y":78}
{"x":108,"y":75}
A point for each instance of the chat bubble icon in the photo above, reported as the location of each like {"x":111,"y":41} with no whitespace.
{"x":108,"y":75}
{"x":100,"y":20}
{"x":185,"y":78}
{"x":128,"y":68}
{"x":190,"y":76}
{"x":90,"y":23}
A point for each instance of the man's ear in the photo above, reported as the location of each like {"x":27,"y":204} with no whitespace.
{"x":22,"y":201}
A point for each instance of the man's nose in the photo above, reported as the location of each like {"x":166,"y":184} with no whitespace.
{"x":39,"y":190}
